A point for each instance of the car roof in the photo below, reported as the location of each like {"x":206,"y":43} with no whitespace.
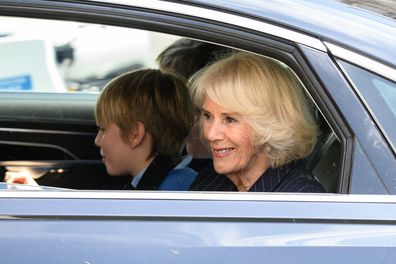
{"x":353,"y":28}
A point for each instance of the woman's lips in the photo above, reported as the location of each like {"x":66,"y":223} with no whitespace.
{"x":221,"y":152}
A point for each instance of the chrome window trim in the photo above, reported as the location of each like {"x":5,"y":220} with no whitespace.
{"x":362,"y":61}
{"x":196,"y":196}
{"x":213,"y":15}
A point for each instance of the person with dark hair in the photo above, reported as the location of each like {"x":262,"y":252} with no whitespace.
{"x":185,"y":56}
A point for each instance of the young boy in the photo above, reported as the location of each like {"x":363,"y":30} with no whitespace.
{"x":144,"y":118}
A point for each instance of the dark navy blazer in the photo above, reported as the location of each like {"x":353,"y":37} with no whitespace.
{"x":288,"y":178}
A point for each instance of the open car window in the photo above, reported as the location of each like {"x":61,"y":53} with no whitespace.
{"x":51,"y":133}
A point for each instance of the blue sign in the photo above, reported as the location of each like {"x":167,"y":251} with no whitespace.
{"x":18,"y":83}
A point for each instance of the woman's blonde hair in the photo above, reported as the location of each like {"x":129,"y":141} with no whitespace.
{"x":160,"y":101}
{"x":268,"y":96}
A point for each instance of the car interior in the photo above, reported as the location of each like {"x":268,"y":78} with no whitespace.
{"x":48,"y":128}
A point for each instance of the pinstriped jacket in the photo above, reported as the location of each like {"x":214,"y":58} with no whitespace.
{"x":288,"y":178}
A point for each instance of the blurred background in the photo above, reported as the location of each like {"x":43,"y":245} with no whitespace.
{"x":63,"y":56}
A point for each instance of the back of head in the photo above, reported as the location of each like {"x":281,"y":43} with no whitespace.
{"x":186,"y":56}
{"x":160,"y":101}
{"x":269,"y":97}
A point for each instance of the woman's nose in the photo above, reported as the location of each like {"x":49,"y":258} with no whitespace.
{"x":213,"y":131}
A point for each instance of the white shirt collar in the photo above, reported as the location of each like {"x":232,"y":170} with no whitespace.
{"x":136,"y":179}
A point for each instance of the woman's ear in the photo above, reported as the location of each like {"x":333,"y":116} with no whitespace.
{"x":137,"y":134}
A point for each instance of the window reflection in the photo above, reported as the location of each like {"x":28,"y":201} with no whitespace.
{"x":379,"y":94}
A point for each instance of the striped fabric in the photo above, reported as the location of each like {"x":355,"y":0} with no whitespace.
{"x":288,"y":178}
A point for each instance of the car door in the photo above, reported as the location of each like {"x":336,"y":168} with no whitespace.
{"x":71,"y":226}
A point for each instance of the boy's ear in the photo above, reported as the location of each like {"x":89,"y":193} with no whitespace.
{"x":137,"y":134}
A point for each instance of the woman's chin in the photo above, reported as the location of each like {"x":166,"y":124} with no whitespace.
{"x":221,"y":169}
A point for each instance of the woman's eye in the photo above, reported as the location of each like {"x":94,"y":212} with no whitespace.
{"x":230,"y":119}
{"x":100,"y":128}
{"x":206,"y":116}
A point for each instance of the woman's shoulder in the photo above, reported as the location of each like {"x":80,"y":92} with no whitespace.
{"x":299,"y":179}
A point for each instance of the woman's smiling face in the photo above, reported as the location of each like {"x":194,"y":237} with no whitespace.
{"x":230,"y":139}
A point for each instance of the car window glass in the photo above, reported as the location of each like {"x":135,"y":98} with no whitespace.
{"x":379,"y":95}
{"x":39,"y":55}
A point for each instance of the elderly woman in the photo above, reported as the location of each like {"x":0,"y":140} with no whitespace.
{"x":257,"y":124}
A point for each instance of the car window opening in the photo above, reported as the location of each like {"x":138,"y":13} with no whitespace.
{"x":73,"y":67}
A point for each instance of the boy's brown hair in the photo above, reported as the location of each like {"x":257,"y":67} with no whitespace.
{"x":160,"y":101}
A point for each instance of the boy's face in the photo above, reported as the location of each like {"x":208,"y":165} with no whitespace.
{"x":117,"y":155}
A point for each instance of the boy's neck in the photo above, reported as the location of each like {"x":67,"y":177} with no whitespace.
{"x":143,"y":164}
